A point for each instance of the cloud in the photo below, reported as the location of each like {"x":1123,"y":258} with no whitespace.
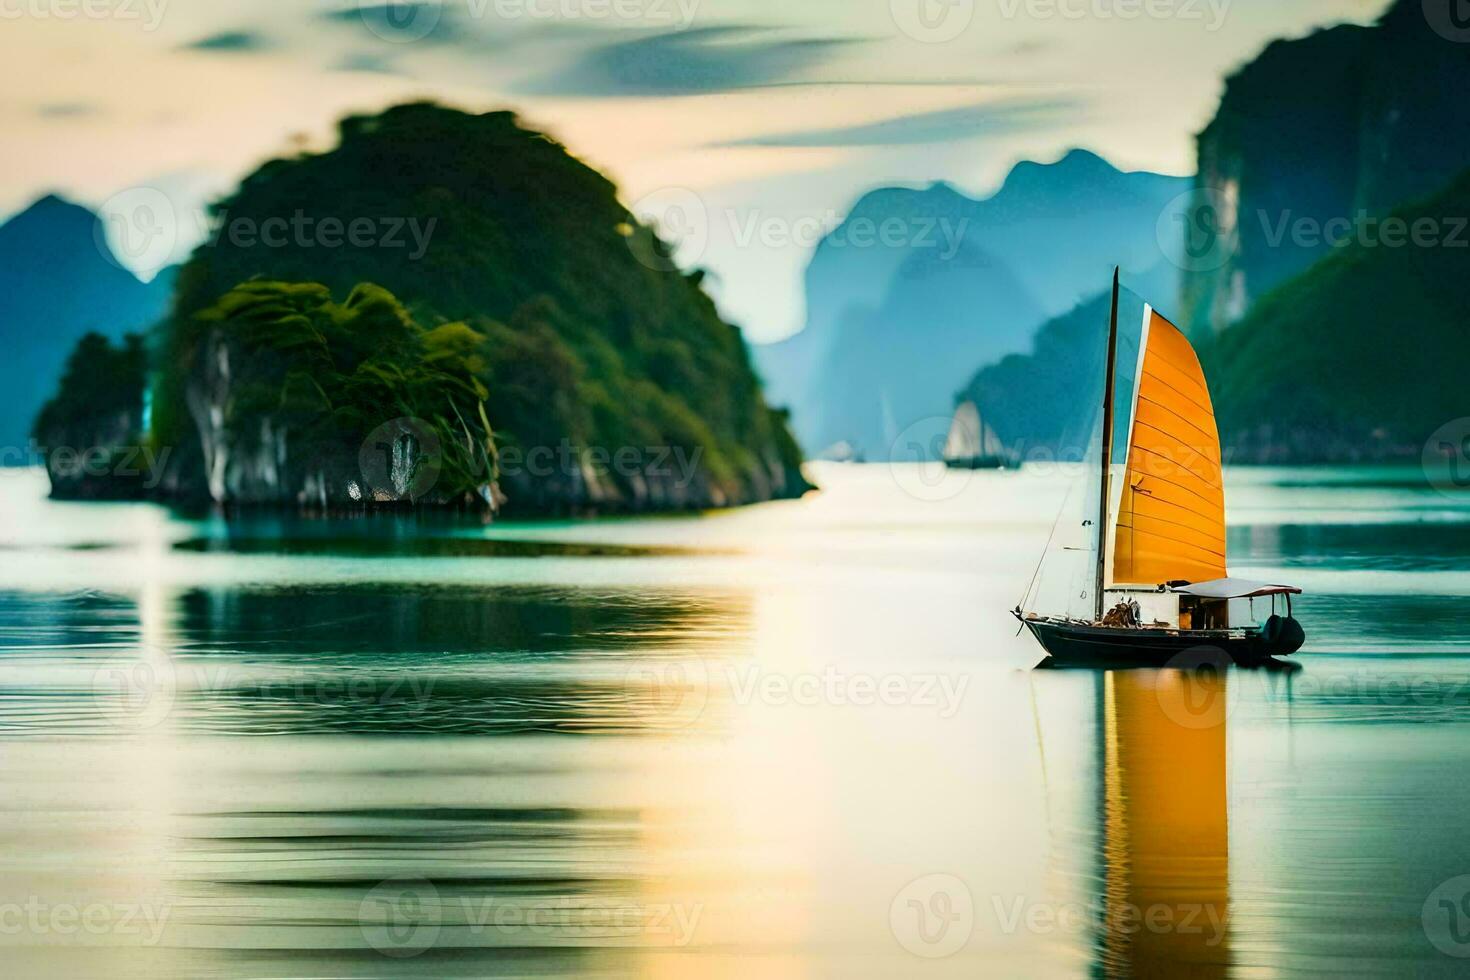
{"x":403,"y":23}
{"x":940,"y":126}
{"x":687,"y":62}
{"x":1033,"y":46}
{"x":231,"y":41}
{"x":366,"y":61}
{"x":66,"y":110}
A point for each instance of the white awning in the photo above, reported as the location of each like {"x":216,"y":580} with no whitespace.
{"x":1236,"y":588}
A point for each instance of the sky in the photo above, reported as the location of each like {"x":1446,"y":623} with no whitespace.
{"x":746,"y":127}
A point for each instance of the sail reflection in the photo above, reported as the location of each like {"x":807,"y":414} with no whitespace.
{"x":1165,"y":842}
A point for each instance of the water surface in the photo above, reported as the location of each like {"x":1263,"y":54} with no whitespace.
{"x":797,"y":740}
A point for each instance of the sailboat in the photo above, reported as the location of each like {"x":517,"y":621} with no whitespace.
{"x":972,"y":444}
{"x":1159,"y":586}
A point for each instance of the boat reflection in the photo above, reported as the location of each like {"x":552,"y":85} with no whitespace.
{"x":1165,"y":830}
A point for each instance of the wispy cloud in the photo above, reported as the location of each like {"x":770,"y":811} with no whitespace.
{"x":939,"y":126}
{"x":231,"y":41}
{"x":403,"y":23}
{"x":66,"y":110}
{"x":366,"y":61}
{"x":689,"y":62}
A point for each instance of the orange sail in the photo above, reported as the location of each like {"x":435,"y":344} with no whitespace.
{"x":1171,"y":513}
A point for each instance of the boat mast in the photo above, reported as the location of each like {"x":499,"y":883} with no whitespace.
{"x":1107,"y":452}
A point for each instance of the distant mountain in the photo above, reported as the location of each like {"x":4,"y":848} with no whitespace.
{"x":1361,"y":356}
{"x":918,"y":288}
{"x":878,"y":366}
{"x":58,"y":282}
{"x":1344,"y":122}
{"x":1040,"y":402}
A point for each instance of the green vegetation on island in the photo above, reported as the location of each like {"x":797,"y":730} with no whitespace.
{"x":290,"y":392}
{"x":92,"y":427}
{"x":1359,"y":356}
{"x":497,"y":292}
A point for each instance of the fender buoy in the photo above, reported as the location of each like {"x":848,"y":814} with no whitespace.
{"x":1281,"y":635}
{"x":1290,"y":637}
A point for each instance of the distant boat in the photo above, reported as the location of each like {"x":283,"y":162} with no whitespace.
{"x":841,"y":452}
{"x":972,"y":444}
{"x":1159,"y":587}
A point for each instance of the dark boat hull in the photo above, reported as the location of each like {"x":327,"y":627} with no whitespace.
{"x":980,"y":463}
{"x":1074,"y":643}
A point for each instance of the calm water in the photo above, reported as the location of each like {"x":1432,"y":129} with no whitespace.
{"x":801,"y":740}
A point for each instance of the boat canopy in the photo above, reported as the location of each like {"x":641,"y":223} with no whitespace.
{"x":1236,"y":588}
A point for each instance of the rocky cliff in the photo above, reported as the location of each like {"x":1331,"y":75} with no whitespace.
{"x":1361,"y":356}
{"x":287,"y":392}
{"x":1312,"y":137}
